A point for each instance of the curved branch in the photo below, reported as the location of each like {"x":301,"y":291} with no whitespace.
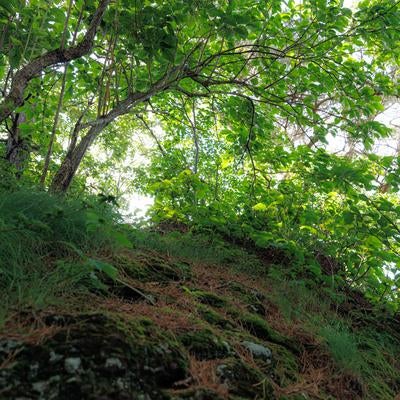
{"x":58,"y":56}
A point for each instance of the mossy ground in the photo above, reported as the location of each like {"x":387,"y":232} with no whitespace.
{"x":173,"y":327}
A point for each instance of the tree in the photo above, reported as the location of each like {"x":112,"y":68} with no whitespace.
{"x":18,"y":53}
{"x":20,"y":79}
{"x":278,"y":59}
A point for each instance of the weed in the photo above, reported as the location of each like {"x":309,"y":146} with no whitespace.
{"x":342,"y":346}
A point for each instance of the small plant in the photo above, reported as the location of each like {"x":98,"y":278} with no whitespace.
{"x":343,"y":347}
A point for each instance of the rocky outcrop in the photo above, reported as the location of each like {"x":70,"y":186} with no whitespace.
{"x":93,"y":357}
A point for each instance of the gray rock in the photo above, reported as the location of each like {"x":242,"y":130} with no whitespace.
{"x":258,"y":351}
{"x":242,"y":380}
{"x":55,"y":357}
{"x":114,"y":362}
{"x":122,"y":384}
{"x":102,"y":358}
{"x":33,"y":369}
{"x":8,"y":345}
{"x":72,"y":364}
{"x":40,"y":387}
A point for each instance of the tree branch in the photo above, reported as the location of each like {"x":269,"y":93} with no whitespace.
{"x":15,"y":98}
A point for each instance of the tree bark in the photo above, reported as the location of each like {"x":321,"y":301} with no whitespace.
{"x":15,"y":97}
{"x":63,"y":177}
{"x":17,"y":148}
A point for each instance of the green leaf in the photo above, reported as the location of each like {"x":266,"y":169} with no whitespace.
{"x":260,"y":207}
{"x":309,"y":229}
{"x":121,"y":239}
{"x":104,"y":267}
{"x":9,"y":5}
{"x":348,"y":217}
{"x":373,"y":242}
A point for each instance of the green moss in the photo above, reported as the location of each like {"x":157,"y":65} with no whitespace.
{"x":212,"y":317}
{"x":258,"y":327}
{"x":244,"y":381}
{"x":131,"y":267}
{"x":160,"y":269}
{"x":205,"y":344}
{"x":149,"y":267}
{"x":208,"y":298}
{"x":285,"y":368}
{"x":253,"y":299}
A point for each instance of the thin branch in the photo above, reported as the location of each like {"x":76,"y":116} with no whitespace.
{"x":152,"y":134}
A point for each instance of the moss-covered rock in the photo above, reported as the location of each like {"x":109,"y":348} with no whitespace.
{"x":258,"y":351}
{"x":244,"y":381}
{"x":153,"y":268}
{"x":131,"y":293}
{"x":95,"y":357}
{"x":208,"y":298}
{"x":258,"y":327}
{"x":214,"y":318}
{"x":205,"y":344}
{"x":252,"y":298}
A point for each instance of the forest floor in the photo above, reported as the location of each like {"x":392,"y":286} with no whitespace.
{"x":188,"y":318}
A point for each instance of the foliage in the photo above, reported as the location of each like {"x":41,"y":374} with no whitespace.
{"x":247,"y":104}
{"x":48,"y":246}
{"x":326,"y":215}
{"x":195,"y":247}
{"x":71,"y":255}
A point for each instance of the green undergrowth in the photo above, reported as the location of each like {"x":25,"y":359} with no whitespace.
{"x":358,"y":344}
{"x":55,"y":252}
{"x":198,"y":247}
{"x":48,"y":246}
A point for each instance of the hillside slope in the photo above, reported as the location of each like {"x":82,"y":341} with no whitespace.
{"x":174,"y":315}
{"x":178,"y":329}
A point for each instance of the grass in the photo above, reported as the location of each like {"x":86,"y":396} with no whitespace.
{"x":379,"y":365}
{"x":197,"y":247}
{"x":44,"y":241}
{"x":311,"y":307}
{"x":367,"y":353}
{"x":342,"y":346}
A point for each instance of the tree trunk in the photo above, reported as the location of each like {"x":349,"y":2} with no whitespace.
{"x":62,"y":93}
{"x":17,"y":150}
{"x":63,"y":177}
